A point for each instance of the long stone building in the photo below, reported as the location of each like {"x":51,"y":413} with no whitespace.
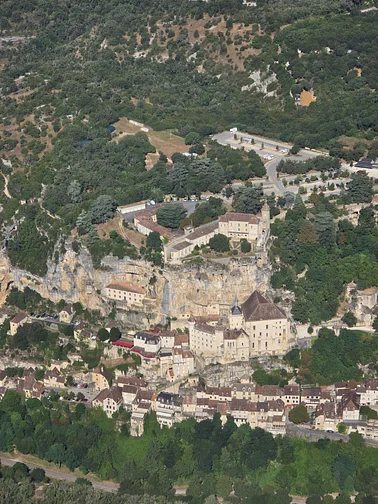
{"x":255,"y":328}
{"x":236,"y":226}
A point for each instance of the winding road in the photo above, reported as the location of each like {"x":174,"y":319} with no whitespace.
{"x":265,"y":146}
{"x":56,"y":474}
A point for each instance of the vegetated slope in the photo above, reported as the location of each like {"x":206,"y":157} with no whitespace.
{"x":171,"y":65}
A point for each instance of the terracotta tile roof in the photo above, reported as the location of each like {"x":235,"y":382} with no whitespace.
{"x":233,"y":334}
{"x":144,"y":405}
{"x":238,"y":217}
{"x":326,"y":409}
{"x":203,"y":231}
{"x":182,"y":245}
{"x":130,"y":389}
{"x":256,"y":307}
{"x":276,"y":405}
{"x":205,"y":328}
{"x":182,"y":339}
{"x":153,"y":226}
{"x":126,"y":287}
{"x":372,"y":384}
{"x":144,"y":395}
{"x":222,"y":408}
{"x":106,"y":374}
{"x":101,"y":396}
{"x":115,"y":394}
{"x":202,"y":401}
{"x":132,"y":380}
{"x":311,"y":391}
{"x":291,"y":390}
{"x":19,"y":317}
{"x":221,"y":391}
{"x":269,"y":390}
{"x":68,"y":308}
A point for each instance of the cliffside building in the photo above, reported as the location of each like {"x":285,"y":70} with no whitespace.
{"x":236,"y":226}
{"x":257,"y":327}
{"x":125,"y":292}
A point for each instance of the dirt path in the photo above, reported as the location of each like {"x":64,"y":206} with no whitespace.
{"x":6,"y":192}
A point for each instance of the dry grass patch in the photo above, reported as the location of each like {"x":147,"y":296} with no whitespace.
{"x":164,"y":141}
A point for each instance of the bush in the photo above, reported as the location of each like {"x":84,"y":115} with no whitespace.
{"x":245,"y":246}
{"x":103,"y":334}
{"x":83,"y":481}
{"x":219,"y":243}
{"x":298,"y":415}
{"x":349,"y":319}
{"x":37,"y":475}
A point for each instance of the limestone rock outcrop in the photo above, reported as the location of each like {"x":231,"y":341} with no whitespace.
{"x":171,"y":292}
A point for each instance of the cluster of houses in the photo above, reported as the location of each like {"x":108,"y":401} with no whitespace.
{"x":265,"y":410}
{"x":264,"y":406}
{"x":30,"y":385}
{"x":166,"y":353}
{"x":345,"y":406}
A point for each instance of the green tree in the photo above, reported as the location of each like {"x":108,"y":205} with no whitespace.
{"x":69,"y":381}
{"x":153,"y":241}
{"x":83,"y":223}
{"x":293,"y":357}
{"x":115,"y":334}
{"x":192,"y":138}
{"x":37,"y":475}
{"x":356,"y":439}
{"x":103,"y":334}
{"x":325,"y":228}
{"x":375,"y":324}
{"x":360,"y":188}
{"x":219,"y":243}
{"x":247,"y":200}
{"x":74,"y":191}
{"x":349,"y":319}
{"x":103,"y":209}
{"x":314,"y":499}
{"x":170,"y":216}
{"x":299,"y":414}
{"x":245,"y":246}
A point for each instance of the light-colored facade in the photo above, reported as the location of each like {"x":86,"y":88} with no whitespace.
{"x":100,"y":378}
{"x":67,"y":314}
{"x":125,"y":292}
{"x":133,"y":207}
{"x":183,"y":362}
{"x":257,"y":327}
{"x":149,"y":344}
{"x":19,"y":320}
{"x":325,"y":417}
{"x":239,"y":226}
{"x":236,"y":226}
{"x":368,"y":393}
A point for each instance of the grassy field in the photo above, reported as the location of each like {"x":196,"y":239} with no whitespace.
{"x":164,"y":141}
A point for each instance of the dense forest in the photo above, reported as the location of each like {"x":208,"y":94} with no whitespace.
{"x":192,"y":67}
{"x":328,"y":248}
{"x":214,"y":460}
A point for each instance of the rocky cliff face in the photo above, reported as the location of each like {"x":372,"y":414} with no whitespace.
{"x":173,"y":291}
